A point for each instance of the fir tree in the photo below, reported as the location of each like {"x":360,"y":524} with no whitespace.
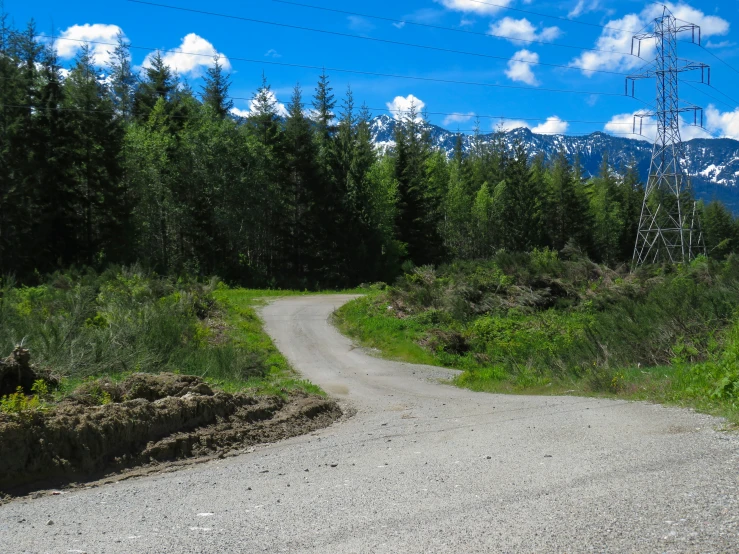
{"x":215,"y":89}
{"x":566,"y":215}
{"x":301,"y":172}
{"x":159,"y":83}
{"x":411,"y":154}
{"x":123,"y":81}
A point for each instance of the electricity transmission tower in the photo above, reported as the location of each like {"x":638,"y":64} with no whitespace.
{"x":669,"y":229}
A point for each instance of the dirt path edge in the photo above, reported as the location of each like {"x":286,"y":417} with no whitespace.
{"x":77,"y":443}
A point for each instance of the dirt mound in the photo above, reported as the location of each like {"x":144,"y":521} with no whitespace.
{"x":139,"y":385}
{"x":16,"y":371}
{"x":74,"y":441}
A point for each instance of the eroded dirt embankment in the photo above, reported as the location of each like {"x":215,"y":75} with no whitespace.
{"x":147,"y":419}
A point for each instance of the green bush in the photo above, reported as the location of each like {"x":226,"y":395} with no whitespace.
{"x":126,"y":319}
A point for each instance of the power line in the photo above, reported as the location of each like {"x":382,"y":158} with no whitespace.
{"x":727,"y":64}
{"x":472,"y":116}
{"x":710,"y":95}
{"x":452,"y":29}
{"x":725,"y":95}
{"x":372,"y":39}
{"x":112,"y":110}
{"x":558,"y":17}
{"x":359,"y":72}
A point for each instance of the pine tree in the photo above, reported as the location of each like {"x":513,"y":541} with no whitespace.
{"x":327,"y":189}
{"x":719,"y":229}
{"x":264,"y":124}
{"x":412,"y":151}
{"x":159,"y":83}
{"x":263,"y":118}
{"x":215,"y":89}
{"x":519,"y":204}
{"x":123,"y":81}
{"x":631,"y":198}
{"x":607,"y":215}
{"x":99,"y":214}
{"x":54,"y":143}
{"x":301,"y":172}
{"x":323,"y":110}
{"x":566,"y":216}
{"x":483,"y":222}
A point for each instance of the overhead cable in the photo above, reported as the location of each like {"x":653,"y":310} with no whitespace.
{"x":357,"y":72}
{"x":373,"y":39}
{"x":452,"y":29}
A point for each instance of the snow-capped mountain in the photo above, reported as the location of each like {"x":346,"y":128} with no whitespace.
{"x":712,"y":164}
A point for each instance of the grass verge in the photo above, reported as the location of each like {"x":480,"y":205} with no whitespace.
{"x":572,"y":328}
{"x":80,"y":326}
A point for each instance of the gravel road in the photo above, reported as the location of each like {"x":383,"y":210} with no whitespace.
{"x":421,"y":467}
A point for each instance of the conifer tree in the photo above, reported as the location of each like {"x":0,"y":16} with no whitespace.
{"x":301,"y":172}
{"x":720,"y":230}
{"x":566,"y":215}
{"x":412,"y":150}
{"x":54,"y":143}
{"x":519,"y":204}
{"x":323,"y":110}
{"x":123,"y":81}
{"x":631,"y":197}
{"x":215,"y":89}
{"x":159,"y":83}
{"x":264,"y":123}
{"x":98,"y":209}
{"x":327,"y":188}
{"x":264,"y":119}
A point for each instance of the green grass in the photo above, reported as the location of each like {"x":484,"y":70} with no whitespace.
{"x":247,"y":333}
{"x":80,"y":326}
{"x":671,"y":338}
{"x":246,"y":330}
{"x":396,"y":339}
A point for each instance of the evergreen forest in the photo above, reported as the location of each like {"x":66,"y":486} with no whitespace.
{"x":102,"y":165}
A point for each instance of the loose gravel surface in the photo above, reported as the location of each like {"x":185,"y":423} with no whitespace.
{"x":421,"y":467}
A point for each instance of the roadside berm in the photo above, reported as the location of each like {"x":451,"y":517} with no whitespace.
{"x":142,"y":420}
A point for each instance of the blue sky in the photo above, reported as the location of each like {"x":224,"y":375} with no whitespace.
{"x":490,"y":60}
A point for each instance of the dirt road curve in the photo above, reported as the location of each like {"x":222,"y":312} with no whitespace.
{"x":421,"y":467}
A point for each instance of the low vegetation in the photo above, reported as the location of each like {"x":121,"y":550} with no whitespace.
{"x":538,"y":323}
{"x":78,"y":327}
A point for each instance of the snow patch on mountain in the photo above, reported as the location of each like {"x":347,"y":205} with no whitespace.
{"x":712,"y":164}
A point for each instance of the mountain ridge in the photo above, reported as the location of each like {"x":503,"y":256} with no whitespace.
{"x":711,"y":164}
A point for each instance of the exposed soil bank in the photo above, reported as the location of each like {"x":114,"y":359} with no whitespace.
{"x":149,"y":419}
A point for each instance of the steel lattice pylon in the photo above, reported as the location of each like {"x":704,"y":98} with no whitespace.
{"x":669,"y":229}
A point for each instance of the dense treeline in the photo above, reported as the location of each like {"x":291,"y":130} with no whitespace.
{"x":104,"y":165}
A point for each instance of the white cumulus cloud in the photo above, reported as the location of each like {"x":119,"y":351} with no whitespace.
{"x":71,"y":40}
{"x":522,"y":29}
{"x":510,"y":124}
{"x":474,"y":7}
{"x":279,"y":107}
{"x":629,"y":125}
{"x":400,"y":106}
{"x":724,"y":124}
{"x":623,"y":124}
{"x":584,"y":6}
{"x":519,"y":68}
{"x":615,"y":40}
{"x":458,"y":118}
{"x":193,"y":56}
{"x":240,"y":113}
{"x":552,"y":126}
{"x":710,"y":25}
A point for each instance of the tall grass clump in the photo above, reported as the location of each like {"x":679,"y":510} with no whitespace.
{"x":80,"y":324}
